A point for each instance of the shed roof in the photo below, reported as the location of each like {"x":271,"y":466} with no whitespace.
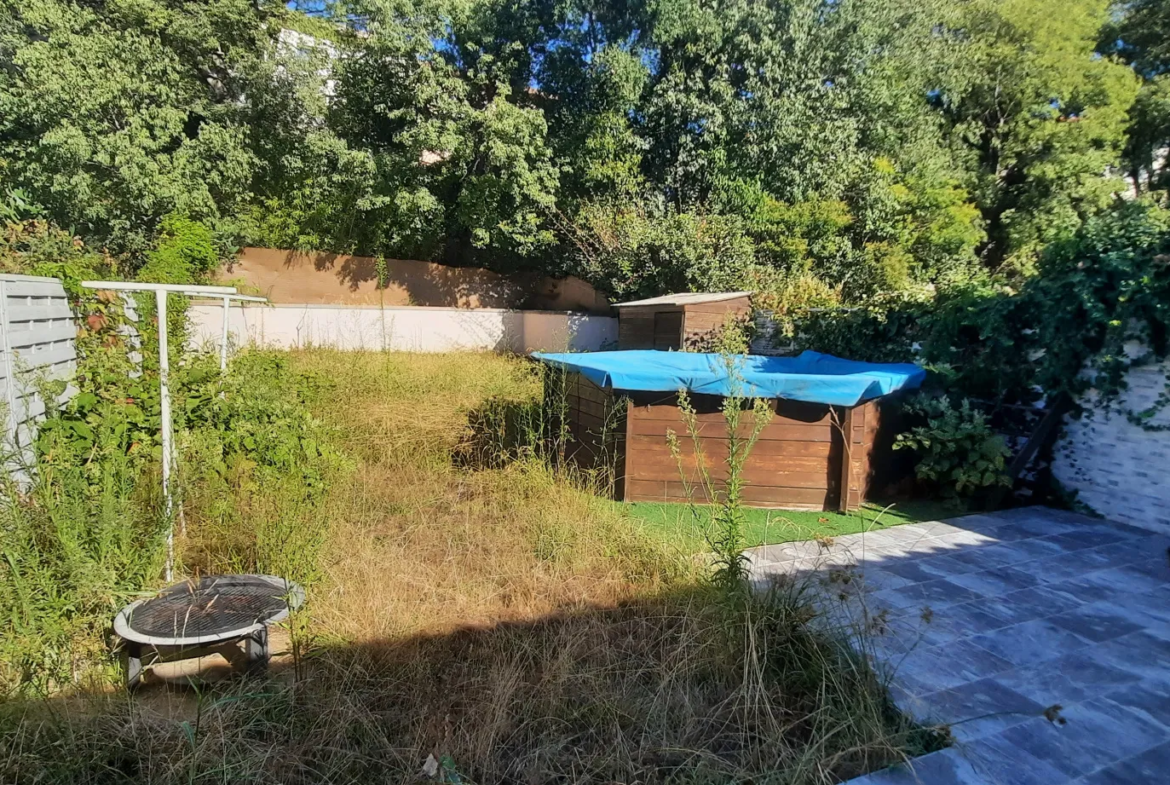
{"x":686,"y":298}
{"x":811,"y":377}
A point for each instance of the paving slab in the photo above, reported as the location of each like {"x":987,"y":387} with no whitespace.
{"x":1040,"y":638}
{"x":1151,"y":766}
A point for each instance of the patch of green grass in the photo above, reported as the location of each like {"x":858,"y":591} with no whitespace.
{"x":679,"y":525}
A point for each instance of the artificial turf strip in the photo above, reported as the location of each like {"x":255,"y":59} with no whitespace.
{"x":679,"y":525}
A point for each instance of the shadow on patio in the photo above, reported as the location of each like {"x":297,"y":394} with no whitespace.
{"x":1040,"y":636}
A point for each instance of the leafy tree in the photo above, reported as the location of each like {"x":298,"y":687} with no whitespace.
{"x":844,"y":149}
{"x":591,"y":130}
{"x":1140,"y":35}
{"x":1041,"y":117}
{"x":734,"y":108}
{"x":311,"y":189}
{"x":1149,"y":136}
{"x":113,"y":115}
{"x":463,"y":172}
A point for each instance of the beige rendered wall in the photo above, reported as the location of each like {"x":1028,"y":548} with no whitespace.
{"x":337,"y":279}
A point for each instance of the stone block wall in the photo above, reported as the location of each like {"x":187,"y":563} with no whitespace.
{"x":1120,"y":469}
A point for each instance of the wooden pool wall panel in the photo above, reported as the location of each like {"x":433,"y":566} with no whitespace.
{"x":797,"y":463}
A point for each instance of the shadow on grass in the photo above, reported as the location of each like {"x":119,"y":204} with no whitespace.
{"x":685,"y":686}
{"x":503,"y":431}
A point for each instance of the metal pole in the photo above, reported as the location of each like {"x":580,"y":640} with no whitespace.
{"x":170,"y":458}
{"x":164,"y":369}
{"x":223,"y":340}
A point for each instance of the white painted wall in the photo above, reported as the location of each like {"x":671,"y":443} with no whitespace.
{"x":1119,"y":469}
{"x":406,"y":329}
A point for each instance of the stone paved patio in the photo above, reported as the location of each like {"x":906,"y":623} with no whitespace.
{"x":985,"y":621}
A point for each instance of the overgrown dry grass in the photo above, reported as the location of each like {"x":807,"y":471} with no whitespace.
{"x":422,"y":545}
{"x":510,"y":624}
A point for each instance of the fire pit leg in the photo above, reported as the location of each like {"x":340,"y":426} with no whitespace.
{"x":256,"y":651}
{"x":132,"y":655}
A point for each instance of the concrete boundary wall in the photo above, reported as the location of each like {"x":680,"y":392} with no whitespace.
{"x":37,"y":342}
{"x":406,"y":329}
{"x":1119,"y":469}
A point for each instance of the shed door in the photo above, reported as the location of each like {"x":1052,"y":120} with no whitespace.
{"x":668,"y":330}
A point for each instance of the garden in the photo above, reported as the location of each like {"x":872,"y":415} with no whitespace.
{"x":978,"y":189}
{"x":506,"y":621}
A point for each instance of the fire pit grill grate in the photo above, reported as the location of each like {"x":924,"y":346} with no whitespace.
{"x":209,"y":609}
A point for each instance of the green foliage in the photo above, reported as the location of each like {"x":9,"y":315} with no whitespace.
{"x":40,"y":248}
{"x":1040,"y":119}
{"x":881,"y":329}
{"x":320,"y":28}
{"x":453,"y":166}
{"x":1149,"y":136}
{"x":87,"y":536}
{"x":802,"y":237}
{"x":256,"y":413}
{"x":1100,"y":296}
{"x":114,"y":115}
{"x":1138,"y":34}
{"x":1097,"y":306}
{"x":958,"y":452}
{"x":262,"y":417}
{"x":876,"y":146}
{"x":14,"y":205}
{"x":185,"y":253}
{"x":90,"y":532}
{"x":641,"y":253}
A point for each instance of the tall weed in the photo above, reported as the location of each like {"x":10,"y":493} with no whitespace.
{"x":79,"y":542}
{"x":89,"y":532}
{"x":722,"y":516}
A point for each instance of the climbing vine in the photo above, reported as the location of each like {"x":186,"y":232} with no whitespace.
{"x":1098,"y":307}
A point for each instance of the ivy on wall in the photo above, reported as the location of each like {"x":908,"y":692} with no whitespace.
{"x":1098,"y":306}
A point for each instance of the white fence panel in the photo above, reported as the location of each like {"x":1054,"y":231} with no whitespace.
{"x":37,"y":332}
{"x":406,"y":329}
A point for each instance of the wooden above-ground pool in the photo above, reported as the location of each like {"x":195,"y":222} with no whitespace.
{"x":804,"y":457}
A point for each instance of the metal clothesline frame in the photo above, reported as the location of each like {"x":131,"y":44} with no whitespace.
{"x":161,"y":290}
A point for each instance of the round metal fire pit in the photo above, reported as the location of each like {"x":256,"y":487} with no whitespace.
{"x":213,"y":614}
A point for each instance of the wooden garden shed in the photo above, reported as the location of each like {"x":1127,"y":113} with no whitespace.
{"x":679,"y":322}
{"x":813,"y":455}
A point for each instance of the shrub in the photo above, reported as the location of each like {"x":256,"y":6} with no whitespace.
{"x":1095,"y":296}
{"x":185,"y":252}
{"x":643,"y":252}
{"x":957,"y":450}
{"x":90,"y":532}
{"x":42,"y":248}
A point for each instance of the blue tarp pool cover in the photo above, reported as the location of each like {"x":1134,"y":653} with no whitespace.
{"x":812,"y":377}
